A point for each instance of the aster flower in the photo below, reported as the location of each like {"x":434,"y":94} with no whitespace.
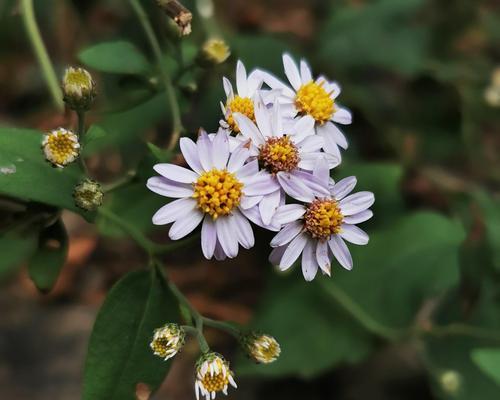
{"x":316,"y":98}
{"x":242,"y":100}
{"x":167,"y":341}
{"x":260,"y":347}
{"x":318,"y":230}
{"x":61,"y":147}
{"x":213,"y":375}
{"x":287,"y":154}
{"x":214,"y":191}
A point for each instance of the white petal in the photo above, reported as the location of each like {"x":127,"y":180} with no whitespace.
{"x":321,"y":171}
{"x":228,"y":88}
{"x":248,"y":129}
{"x":308,"y":161}
{"x":333,"y":88}
{"x":342,"y":116}
{"x":309,"y":263}
{"x":226,"y":236}
{"x":287,"y":234}
{"x":204,"y":145}
{"x":185,"y":225}
{"x":275,"y":83}
{"x":176,"y":173}
{"x":340,"y":251}
{"x":190,"y":153}
{"x":305,"y":72}
{"x":208,"y":237}
{"x":268,"y":206}
{"x":323,"y":257}
{"x":168,"y":188}
{"x":359,"y":217}
{"x":353,"y":234}
{"x":253,"y":215}
{"x":219,"y":252}
{"x":288,"y":213}
{"x":250,"y":201}
{"x":241,"y":79}
{"x":261,"y":184}
{"x":244,"y":230}
{"x":301,"y":127}
{"x":249,"y":169}
{"x":293,"y":251}
{"x":291,"y":71}
{"x":174,"y":210}
{"x":238,"y":158}
{"x":343,"y":187}
{"x":294,"y":187}
{"x":311,"y":143}
{"x":356,"y":203}
{"x":316,"y":186}
{"x":276,"y":255}
{"x":263,"y":117}
{"x":254,"y":81}
{"x":220,"y":150}
{"x":277,"y":121}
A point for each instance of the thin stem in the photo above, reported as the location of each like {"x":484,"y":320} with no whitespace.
{"x":28,"y":16}
{"x":359,"y":314}
{"x":225,"y":326}
{"x":177,"y":127}
{"x":458,"y":329}
{"x":80,"y":133}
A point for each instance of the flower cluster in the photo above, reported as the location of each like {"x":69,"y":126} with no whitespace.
{"x":269,"y":163}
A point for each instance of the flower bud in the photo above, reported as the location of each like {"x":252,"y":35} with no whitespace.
{"x":79,"y":89}
{"x":168,"y":340}
{"x":450,"y":382}
{"x":213,"y":375}
{"x":60,"y":147}
{"x":88,"y":195}
{"x":215,"y":51}
{"x":260,"y":348}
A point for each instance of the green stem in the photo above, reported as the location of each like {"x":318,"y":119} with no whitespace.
{"x":222,"y":325}
{"x":177,"y":127}
{"x":80,"y":133}
{"x":359,"y":314}
{"x":28,"y":16}
{"x":458,"y":329}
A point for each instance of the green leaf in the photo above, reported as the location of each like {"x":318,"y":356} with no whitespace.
{"x":161,"y":155}
{"x":488,"y":360}
{"x":25,"y":174}
{"x":491,"y":219}
{"x":94,"y":133}
{"x":120,"y":57}
{"x":119,"y":356}
{"x":49,"y":258}
{"x":404,"y":263}
{"x":313,"y":334}
{"x":15,"y":249}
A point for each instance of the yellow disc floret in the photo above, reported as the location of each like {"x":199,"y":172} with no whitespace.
{"x":61,"y":147}
{"x":242,"y":105}
{"x":312,"y":99}
{"x":279,"y":154}
{"x":217,"y":192}
{"x":323,"y":218}
{"x":217,"y":381}
{"x":213,"y":375}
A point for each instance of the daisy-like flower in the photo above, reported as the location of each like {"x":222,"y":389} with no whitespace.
{"x":61,"y":147}
{"x":316,"y":98}
{"x":213,"y":375}
{"x":318,"y":229}
{"x":260,"y":347}
{"x":241,"y":101}
{"x":167,"y":341}
{"x":286,"y":154}
{"x":216,"y":190}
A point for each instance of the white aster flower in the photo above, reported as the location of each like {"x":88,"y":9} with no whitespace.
{"x":317,"y":230}
{"x":61,"y":147}
{"x":316,"y":98}
{"x":242,"y":100}
{"x":215,"y":189}
{"x":287,"y":154}
{"x":213,"y":375}
{"x":167,"y":341}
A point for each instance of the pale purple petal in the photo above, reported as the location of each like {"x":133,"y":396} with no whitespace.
{"x":228,"y":240}
{"x":244,"y":230}
{"x":323,"y":257}
{"x":302,"y":127}
{"x":276,"y":255}
{"x":277,"y":121}
{"x":343,"y":187}
{"x":249,"y":169}
{"x":294,"y":187}
{"x":268,"y":206}
{"x":305,"y":72}
{"x":356,"y":203}
{"x":340,"y":251}
{"x":308,"y":160}
{"x":248,"y":129}
{"x":293,"y":251}
{"x":353,"y":234}
{"x":241,"y":79}
{"x":250,"y":201}
{"x":342,"y":116}
{"x":253,"y":215}
{"x":309,"y":263}
{"x":208,"y":237}
{"x":260,"y":184}
{"x":185,"y":225}
{"x":176,"y":173}
{"x":168,"y":188}
{"x":263,"y":117}
{"x":288,"y":213}
{"x":174,"y":210}
{"x":287,"y":233}
{"x":333,"y":137}
{"x":238,"y":158}
{"x":322,"y":172}
{"x":204,"y":145}
{"x":190,"y":154}
{"x":359,"y":217}
{"x":318,"y":188}
{"x":292,"y":72}
{"x":311,"y":143}
{"x":220,"y":150}
{"x":219,"y":252}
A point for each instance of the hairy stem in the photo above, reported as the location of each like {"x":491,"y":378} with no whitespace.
{"x":28,"y":16}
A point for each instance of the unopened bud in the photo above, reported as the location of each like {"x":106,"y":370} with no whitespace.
{"x":79,"y":89}
{"x":215,"y":51}
{"x":260,"y":347}
{"x":88,"y":195}
{"x":167,"y":341}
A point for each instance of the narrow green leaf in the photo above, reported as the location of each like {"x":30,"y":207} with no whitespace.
{"x":14,"y":250}
{"x":119,"y":356}
{"x":49,"y":258}
{"x":119,"y":57}
{"x":488,"y":361}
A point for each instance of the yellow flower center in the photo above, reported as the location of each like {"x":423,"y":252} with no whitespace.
{"x":266,"y":350}
{"x":216,"y":382}
{"x":216,"y":50}
{"x":217,"y":192}
{"x":323,"y":218}
{"x":61,"y":147}
{"x":161,"y":346}
{"x":312,"y":99}
{"x":279,"y":154}
{"x":242,"y":105}
{"x":79,"y":78}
